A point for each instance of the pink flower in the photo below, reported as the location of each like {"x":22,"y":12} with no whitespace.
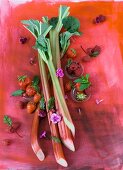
{"x":43,"y":134}
{"x":55,"y":118}
{"x":59,"y":72}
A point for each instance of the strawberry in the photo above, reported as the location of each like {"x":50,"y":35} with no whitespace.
{"x":23,"y":81}
{"x":77,"y":86}
{"x":30,"y":90}
{"x":31,"y":106}
{"x":71,"y":53}
{"x":37,"y":98}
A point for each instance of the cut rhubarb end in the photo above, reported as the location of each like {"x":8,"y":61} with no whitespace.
{"x":70,"y":126}
{"x":40,"y":155}
{"x":62,"y":162}
{"x":69,"y":144}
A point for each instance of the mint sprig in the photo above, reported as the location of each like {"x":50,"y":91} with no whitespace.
{"x":7,"y":120}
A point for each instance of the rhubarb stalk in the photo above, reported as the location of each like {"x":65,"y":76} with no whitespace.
{"x":34,"y":137}
{"x":57,"y":147}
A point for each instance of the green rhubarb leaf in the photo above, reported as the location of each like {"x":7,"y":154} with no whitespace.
{"x":51,"y":103}
{"x":65,"y":40}
{"x":71,"y":24}
{"x":45,"y":19}
{"x":17,"y":93}
{"x":53,"y":21}
{"x":56,"y":139}
{"x":7,"y":120}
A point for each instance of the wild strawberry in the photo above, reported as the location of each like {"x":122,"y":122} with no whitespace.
{"x":30,"y":90}
{"x":37,"y":98}
{"x":31,"y":106}
{"x":24,"y":81}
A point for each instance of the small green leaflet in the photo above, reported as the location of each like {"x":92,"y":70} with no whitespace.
{"x":17,"y":93}
{"x":55,"y":139}
{"x":22,"y":78}
{"x":51,"y":103}
{"x":95,"y":53}
{"x":36,"y":80}
{"x":42,"y":104}
{"x":69,"y":61}
{"x":7,"y":120}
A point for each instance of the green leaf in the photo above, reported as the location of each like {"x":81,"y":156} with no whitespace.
{"x":51,"y":103}
{"x":36,"y":80}
{"x":71,"y":24}
{"x":65,"y":40}
{"x":42,"y":104}
{"x":79,"y":80}
{"x":18,"y":93}
{"x":7,"y":120}
{"x":55,"y":139}
{"x":53,"y":21}
{"x":84,"y":86}
{"x":44,"y":29}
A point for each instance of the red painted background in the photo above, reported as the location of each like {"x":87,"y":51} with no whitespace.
{"x":99,"y":128}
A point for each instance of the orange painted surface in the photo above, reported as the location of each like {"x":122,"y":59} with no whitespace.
{"x":99,"y":129}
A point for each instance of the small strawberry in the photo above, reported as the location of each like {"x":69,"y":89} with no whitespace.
{"x":23,"y":81}
{"x":31,"y":106}
{"x":30,"y":90}
{"x":77,"y":86}
{"x":37,"y":97}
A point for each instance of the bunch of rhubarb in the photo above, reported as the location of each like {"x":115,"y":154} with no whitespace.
{"x":52,"y":43}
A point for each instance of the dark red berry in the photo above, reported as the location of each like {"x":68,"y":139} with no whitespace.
{"x":23,"y":40}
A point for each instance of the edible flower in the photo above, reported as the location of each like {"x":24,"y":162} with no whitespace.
{"x":55,"y":118}
{"x":43,"y":134}
{"x":59,"y":73}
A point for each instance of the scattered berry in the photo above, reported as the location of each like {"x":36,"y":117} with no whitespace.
{"x":31,"y":106}
{"x":23,"y":40}
{"x":37,"y":98}
{"x":30,"y":90}
{"x":6,"y":142}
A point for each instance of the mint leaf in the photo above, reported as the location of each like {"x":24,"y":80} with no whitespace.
{"x":51,"y":103}
{"x":36,"y":81}
{"x":84,"y":86}
{"x":55,"y":139}
{"x":18,"y":93}
{"x":7,"y":120}
{"x":42,"y":104}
